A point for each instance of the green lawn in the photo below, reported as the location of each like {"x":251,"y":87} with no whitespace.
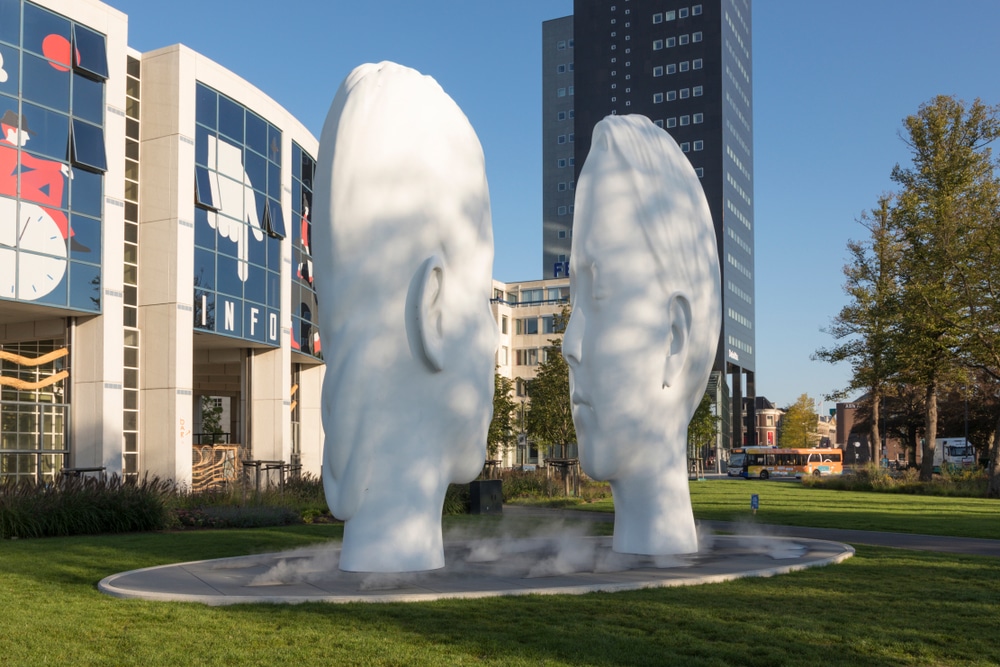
{"x":789,"y":503}
{"x":882,"y":607}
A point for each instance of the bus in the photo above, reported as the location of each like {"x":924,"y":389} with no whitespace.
{"x":767,"y":462}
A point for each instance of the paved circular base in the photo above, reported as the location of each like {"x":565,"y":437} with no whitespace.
{"x":570,"y":564}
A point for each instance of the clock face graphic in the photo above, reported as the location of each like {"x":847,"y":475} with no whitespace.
{"x":36,"y":275}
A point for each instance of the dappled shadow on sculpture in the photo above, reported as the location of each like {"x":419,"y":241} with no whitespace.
{"x":403,"y":252}
{"x":645,"y":295}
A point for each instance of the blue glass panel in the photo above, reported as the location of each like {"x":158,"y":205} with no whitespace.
{"x":48,"y":131}
{"x":307,"y":208}
{"x":85,"y":239}
{"x":257,"y":249}
{"x":45,"y":83}
{"x":255,"y":322}
{"x":203,"y":189}
{"x":273,"y":327}
{"x":206,"y":103}
{"x":273,"y":253}
{"x":257,"y":134}
{"x":229,"y":315}
{"x":273,"y":144}
{"x":85,"y":287}
{"x":88,"y":99}
{"x":308,"y":170}
{"x":256,"y":168}
{"x":231,"y":195}
{"x":41,"y":279}
{"x":296,"y":161}
{"x":224,"y":244}
{"x":88,"y":146}
{"x":204,"y":310}
{"x":10,"y":22}
{"x":275,"y":219}
{"x":273,"y":289}
{"x":85,"y":192}
{"x":48,"y":34}
{"x":204,"y":269}
{"x":296,"y":202}
{"x":11,"y":66}
{"x":273,"y":181}
{"x":255,"y":287}
{"x":229,"y":276}
{"x":92,"y":54}
{"x":297,"y":334}
{"x":204,"y":234}
{"x":201,"y":135}
{"x":8,"y":153}
{"x":230,"y":119}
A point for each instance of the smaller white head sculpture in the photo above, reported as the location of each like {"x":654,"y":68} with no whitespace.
{"x":403,"y":254}
{"x":642,"y":337}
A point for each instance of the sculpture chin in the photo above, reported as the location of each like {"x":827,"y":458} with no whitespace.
{"x":597,"y":458}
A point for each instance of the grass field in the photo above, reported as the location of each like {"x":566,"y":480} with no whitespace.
{"x":882,"y":607}
{"x":789,"y":503}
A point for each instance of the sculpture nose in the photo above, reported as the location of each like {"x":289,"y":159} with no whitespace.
{"x":572,"y":345}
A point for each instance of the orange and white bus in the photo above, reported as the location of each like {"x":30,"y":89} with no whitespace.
{"x":767,"y":462}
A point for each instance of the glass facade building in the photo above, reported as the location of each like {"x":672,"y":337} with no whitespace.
{"x":686,"y":65}
{"x":154,"y":257}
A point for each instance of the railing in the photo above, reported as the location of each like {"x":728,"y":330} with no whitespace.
{"x":515,"y":304}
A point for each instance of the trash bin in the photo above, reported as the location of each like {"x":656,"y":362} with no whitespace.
{"x":486,"y":496}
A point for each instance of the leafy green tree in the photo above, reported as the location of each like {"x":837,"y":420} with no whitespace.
{"x":501,"y":435}
{"x":703,"y":427}
{"x":211,"y":416}
{"x":866,"y":327}
{"x":549,"y":418}
{"x":798,"y":426}
{"x":946,"y":196}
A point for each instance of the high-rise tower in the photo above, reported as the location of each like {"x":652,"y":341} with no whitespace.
{"x":688,"y":67}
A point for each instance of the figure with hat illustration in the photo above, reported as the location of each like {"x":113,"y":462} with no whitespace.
{"x":42,"y":181}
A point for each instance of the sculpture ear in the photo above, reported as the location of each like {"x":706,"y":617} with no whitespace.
{"x":678,"y":338}
{"x":429,"y":312}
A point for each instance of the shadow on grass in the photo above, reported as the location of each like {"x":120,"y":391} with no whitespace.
{"x":874,"y":609}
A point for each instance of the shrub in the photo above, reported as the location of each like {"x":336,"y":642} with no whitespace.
{"x":83,"y":505}
{"x":456,"y":499}
{"x":968,"y":483}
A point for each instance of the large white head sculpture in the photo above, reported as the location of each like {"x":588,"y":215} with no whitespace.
{"x":403,"y":252}
{"x":644,"y":275}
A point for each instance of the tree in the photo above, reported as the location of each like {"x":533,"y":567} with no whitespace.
{"x":798,"y":426}
{"x":703,"y":427}
{"x":211,"y":416}
{"x":549,"y":418}
{"x":501,"y":435}
{"x":867,"y":325}
{"x":947,"y":196}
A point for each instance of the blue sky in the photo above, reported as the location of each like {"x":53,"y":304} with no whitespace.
{"x":832,"y":84}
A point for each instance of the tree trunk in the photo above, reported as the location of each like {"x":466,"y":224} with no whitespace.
{"x":911,"y":446}
{"x":993,"y":490}
{"x":930,"y":434}
{"x":875,"y":445}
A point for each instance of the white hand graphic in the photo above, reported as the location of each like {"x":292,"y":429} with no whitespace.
{"x":233,"y":193}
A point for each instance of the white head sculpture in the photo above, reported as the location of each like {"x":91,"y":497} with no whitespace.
{"x":403,"y":252}
{"x":644,"y":275}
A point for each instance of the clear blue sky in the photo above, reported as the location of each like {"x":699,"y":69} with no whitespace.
{"x":832,"y":83}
